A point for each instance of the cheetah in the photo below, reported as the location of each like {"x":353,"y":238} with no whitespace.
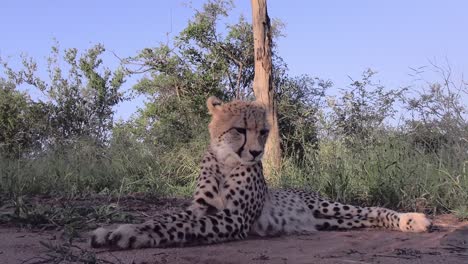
{"x":232,"y":200}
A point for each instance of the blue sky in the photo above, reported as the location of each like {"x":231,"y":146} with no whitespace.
{"x":330,"y":39}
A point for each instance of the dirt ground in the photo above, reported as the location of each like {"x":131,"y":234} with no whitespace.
{"x":447,"y":243}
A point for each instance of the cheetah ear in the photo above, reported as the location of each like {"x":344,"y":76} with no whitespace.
{"x":213,"y":104}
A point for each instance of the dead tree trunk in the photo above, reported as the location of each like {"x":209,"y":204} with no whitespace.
{"x":263,"y":83}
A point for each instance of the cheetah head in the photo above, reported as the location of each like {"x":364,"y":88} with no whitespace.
{"x":238,"y":131}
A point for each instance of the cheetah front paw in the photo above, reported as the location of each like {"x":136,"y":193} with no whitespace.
{"x":124,"y":237}
{"x":414,"y":222}
{"x":100,"y":238}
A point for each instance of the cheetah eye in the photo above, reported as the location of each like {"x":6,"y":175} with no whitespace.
{"x":240,"y":130}
{"x":264,"y":132}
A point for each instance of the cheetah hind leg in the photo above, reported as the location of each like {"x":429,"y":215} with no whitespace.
{"x":414,"y":222}
{"x":408,"y":222}
{"x":370,"y":217}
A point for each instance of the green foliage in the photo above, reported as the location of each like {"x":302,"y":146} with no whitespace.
{"x":80,"y":101}
{"x":363,"y":108}
{"x":21,"y":121}
{"x":300,"y":100}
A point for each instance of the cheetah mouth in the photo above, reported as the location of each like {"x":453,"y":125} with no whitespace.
{"x":250,"y":162}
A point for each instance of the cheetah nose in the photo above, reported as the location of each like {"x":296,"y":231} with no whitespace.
{"x":255,"y":153}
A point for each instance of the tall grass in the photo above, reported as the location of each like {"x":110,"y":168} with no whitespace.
{"x":392,"y":173}
{"x":123,"y":167}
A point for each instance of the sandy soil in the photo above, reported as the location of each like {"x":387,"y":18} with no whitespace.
{"x":448,"y":243}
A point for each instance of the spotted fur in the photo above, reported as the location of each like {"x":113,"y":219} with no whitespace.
{"x":232,"y":200}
